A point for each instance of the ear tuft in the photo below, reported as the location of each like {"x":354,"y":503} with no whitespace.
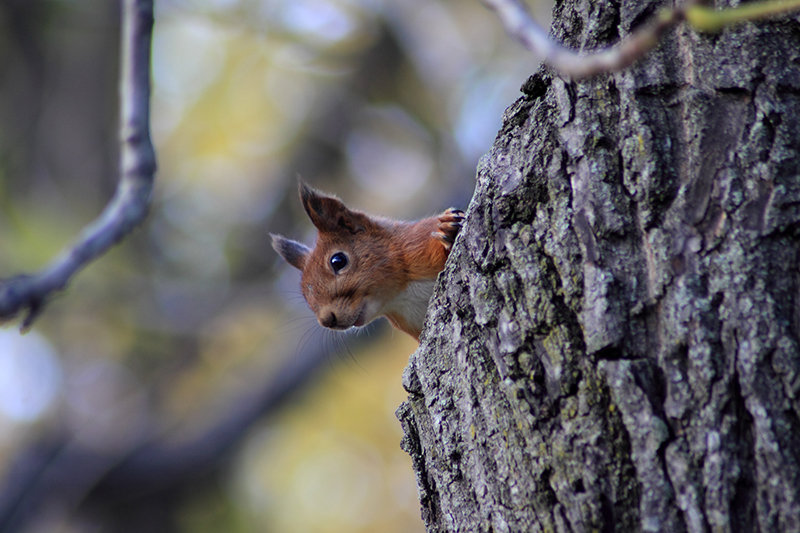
{"x":328,"y":213}
{"x":295,"y":253}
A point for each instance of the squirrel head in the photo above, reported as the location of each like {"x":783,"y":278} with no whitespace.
{"x":352,"y":271}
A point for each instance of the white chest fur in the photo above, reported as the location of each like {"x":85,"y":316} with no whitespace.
{"x":412,"y":303}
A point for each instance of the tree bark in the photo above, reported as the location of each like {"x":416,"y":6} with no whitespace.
{"x":613,"y":344}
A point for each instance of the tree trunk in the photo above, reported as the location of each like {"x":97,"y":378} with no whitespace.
{"x":614,"y":342}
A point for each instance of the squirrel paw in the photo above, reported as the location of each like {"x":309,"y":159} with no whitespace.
{"x":450,"y":223}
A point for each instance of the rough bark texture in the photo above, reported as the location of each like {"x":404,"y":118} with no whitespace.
{"x":614,"y":342}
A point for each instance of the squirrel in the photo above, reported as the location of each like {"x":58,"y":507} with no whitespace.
{"x":363,"y":267}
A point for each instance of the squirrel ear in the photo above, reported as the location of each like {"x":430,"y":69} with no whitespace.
{"x":295,"y":253}
{"x":328,"y":213}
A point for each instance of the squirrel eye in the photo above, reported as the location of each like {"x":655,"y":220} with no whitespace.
{"x":338,"y":262}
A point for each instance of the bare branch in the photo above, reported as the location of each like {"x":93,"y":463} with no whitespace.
{"x":520,"y":24}
{"x":130,"y":203}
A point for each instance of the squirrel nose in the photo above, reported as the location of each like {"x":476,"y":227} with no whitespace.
{"x":328,"y":320}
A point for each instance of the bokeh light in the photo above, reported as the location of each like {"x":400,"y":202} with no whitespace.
{"x":30,"y":376}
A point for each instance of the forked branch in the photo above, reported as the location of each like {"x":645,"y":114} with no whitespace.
{"x":131,"y":201}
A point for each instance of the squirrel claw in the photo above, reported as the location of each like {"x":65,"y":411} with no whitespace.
{"x":450,"y":223}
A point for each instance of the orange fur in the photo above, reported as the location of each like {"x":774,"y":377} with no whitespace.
{"x":389,"y":269}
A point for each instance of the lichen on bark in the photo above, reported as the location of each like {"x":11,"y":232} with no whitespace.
{"x":613,"y":344}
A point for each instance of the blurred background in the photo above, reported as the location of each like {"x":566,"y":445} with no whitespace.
{"x":180,"y":383}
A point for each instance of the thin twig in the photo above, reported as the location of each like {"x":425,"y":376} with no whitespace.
{"x":131,"y":202}
{"x":707,"y":19}
{"x":521,"y":25}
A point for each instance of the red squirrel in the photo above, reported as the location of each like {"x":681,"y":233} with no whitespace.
{"x":363,"y":267}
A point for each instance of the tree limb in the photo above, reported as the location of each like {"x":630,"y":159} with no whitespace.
{"x":130,"y":204}
{"x":520,"y":24}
